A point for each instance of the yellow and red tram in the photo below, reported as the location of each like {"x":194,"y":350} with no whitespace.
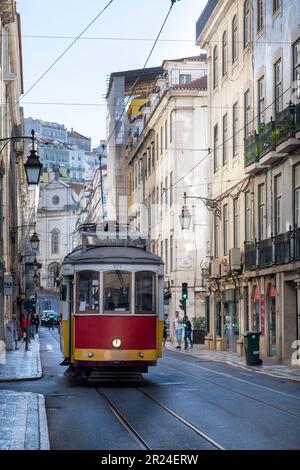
{"x":111,"y":306}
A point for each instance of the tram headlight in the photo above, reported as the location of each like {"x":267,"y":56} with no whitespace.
{"x":90,"y":354}
{"x":117,"y":343}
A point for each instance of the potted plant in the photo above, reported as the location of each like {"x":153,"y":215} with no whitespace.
{"x":199,"y":328}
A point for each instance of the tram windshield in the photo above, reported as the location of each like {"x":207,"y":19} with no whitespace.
{"x":145,"y":292}
{"x":117,"y":291}
{"x":88,"y":291}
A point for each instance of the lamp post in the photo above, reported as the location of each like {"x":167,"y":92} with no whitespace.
{"x":213,"y":205}
{"x":33,"y":166}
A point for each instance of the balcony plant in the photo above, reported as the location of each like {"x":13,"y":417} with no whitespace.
{"x":199,"y":329}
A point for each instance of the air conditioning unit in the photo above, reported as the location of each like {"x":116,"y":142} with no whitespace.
{"x":214,"y":269}
{"x":234,"y":259}
{"x":224,"y":267}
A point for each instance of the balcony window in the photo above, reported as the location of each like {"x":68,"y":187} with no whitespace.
{"x":297,"y":195}
{"x":260,"y":15}
{"x":215,"y":67}
{"x":246,"y":23}
{"x":224,"y":53}
{"x":225,"y":138}
{"x":247,"y":216}
{"x":217,"y":235}
{"x":235,"y":122}
{"x":277,"y":204}
{"x":296,"y":67}
{"x":261,"y":211}
{"x":277,"y":86}
{"x":246,"y":113}
{"x":225,"y":229}
{"x":236,"y":235}
{"x":216,"y":150}
{"x":261,"y":99}
{"x":234,"y":39}
{"x":276,"y":5}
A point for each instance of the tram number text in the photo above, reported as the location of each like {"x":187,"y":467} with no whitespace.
{"x":117,"y":267}
{"x":175,"y":459}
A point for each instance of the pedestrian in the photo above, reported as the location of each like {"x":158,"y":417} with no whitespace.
{"x":166,"y":327}
{"x":178,"y":328}
{"x":32,"y":325}
{"x":37,"y":323}
{"x":187,"y":333}
{"x":23,"y":325}
{"x":51,"y":321}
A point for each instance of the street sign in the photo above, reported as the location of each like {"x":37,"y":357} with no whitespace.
{"x":8,"y":284}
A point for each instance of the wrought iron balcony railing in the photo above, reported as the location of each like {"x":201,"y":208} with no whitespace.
{"x":271,"y":134}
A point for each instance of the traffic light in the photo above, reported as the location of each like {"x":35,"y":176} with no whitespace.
{"x":32,"y":304}
{"x":184,"y":293}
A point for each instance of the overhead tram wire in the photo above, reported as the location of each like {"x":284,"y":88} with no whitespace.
{"x":138,"y":78}
{"x":62,"y":54}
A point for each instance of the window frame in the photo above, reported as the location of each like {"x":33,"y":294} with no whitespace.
{"x":225,"y":229}
{"x":119,"y":312}
{"x":215,"y":67}
{"x":154,"y":294}
{"x":261,"y":99}
{"x":247,"y":111}
{"x":277,"y":203}
{"x":55,"y":232}
{"x":235,"y":124}
{"x":215,"y":150}
{"x":260,"y":20}
{"x":234,"y":39}
{"x":236,"y":221}
{"x":277,"y":86}
{"x":224,"y":53}
{"x":296,"y":188}
{"x":246,"y":24}
{"x":225,"y":137}
{"x":83,"y":312}
{"x":261,"y":202}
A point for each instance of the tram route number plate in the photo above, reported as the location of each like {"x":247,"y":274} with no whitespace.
{"x":117,"y":267}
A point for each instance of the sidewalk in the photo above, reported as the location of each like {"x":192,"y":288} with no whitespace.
{"x":269,"y":366}
{"x":21,"y":364}
{"x":23,"y":422}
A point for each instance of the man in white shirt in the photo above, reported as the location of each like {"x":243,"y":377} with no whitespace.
{"x":178,"y":328}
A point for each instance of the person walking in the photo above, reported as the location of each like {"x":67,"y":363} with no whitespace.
{"x":178,"y":328}
{"x":51,"y":321}
{"x":187,"y":333}
{"x":37,"y":323}
{"x":23,"y":325}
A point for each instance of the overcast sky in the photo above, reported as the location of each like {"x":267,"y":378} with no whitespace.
{"x":81,"y":75}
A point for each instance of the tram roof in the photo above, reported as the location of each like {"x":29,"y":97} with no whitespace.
{"x":111,"y":254}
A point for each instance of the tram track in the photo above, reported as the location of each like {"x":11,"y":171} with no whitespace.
{"x":124,"y":422}
{"x":231,"y":390}
{"x":132,"y":431}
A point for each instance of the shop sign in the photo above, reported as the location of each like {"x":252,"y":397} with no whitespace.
{"x":185,"y":263}
{"x":262,"y":314}
{"x":8,"y":284}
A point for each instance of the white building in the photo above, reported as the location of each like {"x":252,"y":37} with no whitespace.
{"x":167,"y":138}
{"x":56,"y":222}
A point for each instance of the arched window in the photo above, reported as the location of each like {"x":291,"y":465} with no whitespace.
{"x":55,"y":241}
{"x":215,"y":67}
{"x":224,"y":53}
{"x":234,"y":39}
{"x":246,"y":23}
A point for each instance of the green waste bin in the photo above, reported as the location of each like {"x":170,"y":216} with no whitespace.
{"x":251,"y":345}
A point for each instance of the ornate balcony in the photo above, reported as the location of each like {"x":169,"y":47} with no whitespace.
{"x":265,"y":253}
{"x":283,"y":247}
{"x":250,"y":256}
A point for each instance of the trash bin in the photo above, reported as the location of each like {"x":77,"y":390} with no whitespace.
{"x":251,"y":345}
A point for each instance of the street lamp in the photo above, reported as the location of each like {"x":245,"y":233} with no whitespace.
{"x":33,"y":166}
{"x":213,"y":205}
{"x":34,"y":241}
{"x":185,"y":218}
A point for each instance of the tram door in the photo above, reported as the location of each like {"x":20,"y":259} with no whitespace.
{"x":71,"y":317}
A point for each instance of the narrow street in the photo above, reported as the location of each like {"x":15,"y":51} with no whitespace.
{"x":186,"y":403}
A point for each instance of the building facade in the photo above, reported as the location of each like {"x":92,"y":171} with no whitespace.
{"x":167,"y":136}
{"x":56,"y":222}
{"x":252,"y":281}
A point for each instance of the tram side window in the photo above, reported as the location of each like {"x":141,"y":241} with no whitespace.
{"x":144,"y":292}
{"x":88,"y":291}
{"x":117,"y":291}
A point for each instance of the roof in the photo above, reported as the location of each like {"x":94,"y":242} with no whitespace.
{"x":198,"y":84}
{"x":142,"y":78}
{"x":77,"y":187}
{"x":76,"y":135}
{"x":205,"y":16}
{"x":112,"y":254}
{"x":196,"y":58}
